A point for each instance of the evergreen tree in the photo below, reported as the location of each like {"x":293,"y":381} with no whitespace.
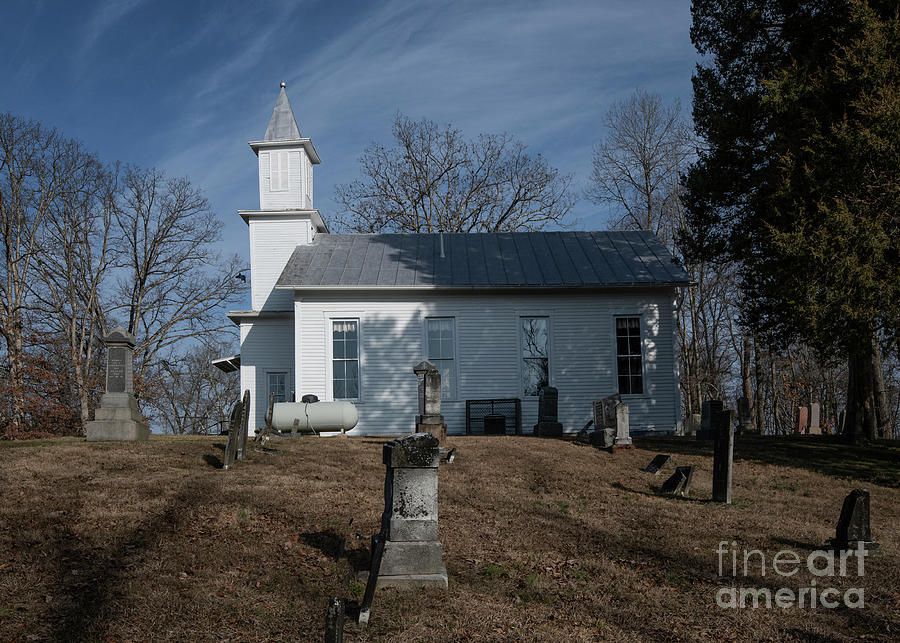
{"x":799,"y":103}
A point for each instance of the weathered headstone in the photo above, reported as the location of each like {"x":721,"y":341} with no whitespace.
{"x":814,"y":419}
{"x":412,"y":553}
{"x":548,"y":416}
{"x":679,"y":482}
{"x":657,"y":463}
{"x":623,"y":429}
{"x":234,"y":429}
{"x":745,"y":421}
{"x":334,"y":621}
{"x":801,"y":420}
{"x":244,"y":427}
{"x":429,"y":419}
{"x":707,"y":409}
{"x":605,"y":421}
{"x":692,"y":424}
{"x":853,"y":525}
{"x":118,"y":417}
{"x":723,"y":455}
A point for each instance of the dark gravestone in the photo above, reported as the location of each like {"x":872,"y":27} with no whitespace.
{"x":372,"y":582}
{"x":234,"y":427}
{"x":707,"y":410}
{"x":801,"y":420}
{"x":494,"y":425}
{"x":657,"y":463}
{"x":853,"y":525}
{"x":723,"y":455}
{"x":334,"y":621}
{"x":745,"y":422}
{"x":679,"y":482}
{"x":115,"y":370}
{"x":548,"y":420}
{"x":245,"y":423}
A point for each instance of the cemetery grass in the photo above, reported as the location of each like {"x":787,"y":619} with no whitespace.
{"x":544,"y":540}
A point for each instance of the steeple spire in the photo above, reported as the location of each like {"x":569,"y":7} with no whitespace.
{"x":282,"y":125}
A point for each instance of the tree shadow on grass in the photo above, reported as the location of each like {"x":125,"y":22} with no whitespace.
{"x":825,"y":454}
{"x":213,"y":461}
{"x":328,"y":542}
{"x":91,"y":576}
{"x":656,"y":493}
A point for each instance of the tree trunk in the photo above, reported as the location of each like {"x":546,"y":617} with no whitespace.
{"x":759,"y":409}
{"x":777,"y":422}
{"x":860,"y":425}
{"x":882,"y":413}
{"x":746,"y":383}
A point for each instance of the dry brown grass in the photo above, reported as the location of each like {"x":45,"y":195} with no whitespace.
{"x":544,"y":541}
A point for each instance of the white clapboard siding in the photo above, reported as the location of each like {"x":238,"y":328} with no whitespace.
{"x":272,"y":240}
{"x":266,"y":345}
{"x":298,"y":192}
{"x":582,"y":352}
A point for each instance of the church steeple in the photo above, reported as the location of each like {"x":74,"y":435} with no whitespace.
{"x":282,"y":125}
{"x":286,"y":161}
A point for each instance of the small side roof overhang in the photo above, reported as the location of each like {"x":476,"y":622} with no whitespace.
{"x":228,"y":364}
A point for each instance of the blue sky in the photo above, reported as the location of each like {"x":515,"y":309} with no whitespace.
{"x":184,"y":85}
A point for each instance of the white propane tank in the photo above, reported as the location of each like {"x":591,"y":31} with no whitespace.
{"x":314,"y":416}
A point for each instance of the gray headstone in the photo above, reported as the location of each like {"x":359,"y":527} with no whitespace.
{"x":743,"y":409}
{"x":853,"y":525}
{"x":692,"y":424}
{"x":623,"y":426}
{"x":118,"y":417}
{"x":412,"y":554}
{"x":657,"y":463}
{"x":605,"y":420}
{"x":723,"y":455}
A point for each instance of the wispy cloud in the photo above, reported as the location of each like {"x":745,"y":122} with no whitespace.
{"x":103,"y":18}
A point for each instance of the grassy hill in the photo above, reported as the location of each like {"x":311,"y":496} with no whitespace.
{"x":544,"y":540}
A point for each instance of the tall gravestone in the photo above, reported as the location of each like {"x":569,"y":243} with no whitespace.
{"x":815,"y":427}
{"x":692,"y":424}
{"x":429,"y":418}
{"x":723,"y":455}
{"x":623,"y":429}
{"x":707,"y":409}
{"x":412,"y":555}
{"x":801,"y":420}
{"x":548,"y":413}
{"x":118,"y":417}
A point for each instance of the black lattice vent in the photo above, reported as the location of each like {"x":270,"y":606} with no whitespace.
{"x":477,"y":410}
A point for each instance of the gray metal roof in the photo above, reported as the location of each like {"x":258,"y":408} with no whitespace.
{"x":282,"y":125}
{"x":503,"y":259}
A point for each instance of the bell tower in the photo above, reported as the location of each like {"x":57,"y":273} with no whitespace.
{"x":286,"y":217}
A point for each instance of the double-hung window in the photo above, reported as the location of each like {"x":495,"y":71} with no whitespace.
{"x":278,"y":171}
{"x":345,"y":359}
{"x":441,"y":351}
{"x":277,"y":384}
{"x":628,"y":355}
{"x":535,"y":354}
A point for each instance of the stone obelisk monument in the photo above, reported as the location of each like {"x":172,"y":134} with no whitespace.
{"x":118,"y":417}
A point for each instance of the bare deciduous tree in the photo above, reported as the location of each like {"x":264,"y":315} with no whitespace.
{"x":435,"y":180}
{"x":637,"y":168}
{"x":173,"y":281}
{"x":35,"y":165}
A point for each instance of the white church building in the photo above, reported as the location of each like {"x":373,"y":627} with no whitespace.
{"x":347,"y":316}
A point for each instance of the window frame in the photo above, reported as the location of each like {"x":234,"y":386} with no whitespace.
{"x":615,"y":350}
{"x":283,"y":182}
{"x":329,"y":333}
{"x":520,"y":317}
{"x":453,"y":389}
{"x":277,"y":371}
